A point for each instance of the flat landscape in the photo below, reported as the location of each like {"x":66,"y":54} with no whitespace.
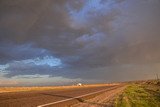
{"x":130,"y":94}
{"x":32,"y":97}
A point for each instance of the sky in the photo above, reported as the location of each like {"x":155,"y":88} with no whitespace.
{"x":60,"y":42}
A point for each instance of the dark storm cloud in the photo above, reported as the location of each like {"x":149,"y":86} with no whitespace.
{"x":47,"y":24}
{"x":90,"y":37}
{"x":10,"y":52}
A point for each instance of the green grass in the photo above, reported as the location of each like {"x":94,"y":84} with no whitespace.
{"x":139,"y":95}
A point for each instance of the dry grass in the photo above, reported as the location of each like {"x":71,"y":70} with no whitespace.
{"x":19,"y":89}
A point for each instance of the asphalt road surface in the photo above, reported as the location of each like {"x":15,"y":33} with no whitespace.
{"x":51,"y":98}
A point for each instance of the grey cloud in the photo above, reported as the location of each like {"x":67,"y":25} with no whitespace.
{"x":11,"y":52}
{"x":124,"y":32}
{"x":48,"y":27}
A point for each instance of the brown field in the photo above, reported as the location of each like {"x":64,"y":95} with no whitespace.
{"x":19,"y":89}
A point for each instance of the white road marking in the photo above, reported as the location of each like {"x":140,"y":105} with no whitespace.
{"x":73,"y":98}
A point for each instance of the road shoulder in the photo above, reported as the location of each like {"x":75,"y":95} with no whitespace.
{"x":102,"y":100}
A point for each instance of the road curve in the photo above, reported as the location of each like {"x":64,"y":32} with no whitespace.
{"x":50,"y":98}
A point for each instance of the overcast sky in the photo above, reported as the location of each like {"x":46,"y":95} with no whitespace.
{"x":57,"y":42}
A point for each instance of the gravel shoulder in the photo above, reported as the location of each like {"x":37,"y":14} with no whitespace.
{"x":103,"y":100}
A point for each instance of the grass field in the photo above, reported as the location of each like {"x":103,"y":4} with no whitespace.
{"x":139,"y":95}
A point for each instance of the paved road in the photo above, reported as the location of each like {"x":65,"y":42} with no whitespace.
{"x":36,"y":98}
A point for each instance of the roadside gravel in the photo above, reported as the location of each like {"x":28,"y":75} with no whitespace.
{"x":103,"y":100}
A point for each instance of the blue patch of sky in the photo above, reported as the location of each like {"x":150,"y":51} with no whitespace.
{"x":47,"y":60}
{"x":3,"y":67}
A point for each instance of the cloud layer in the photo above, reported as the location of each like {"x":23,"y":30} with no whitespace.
{"x":92,"y":40}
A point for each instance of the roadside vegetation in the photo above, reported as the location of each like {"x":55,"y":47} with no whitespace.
{"x":145,"y":94}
